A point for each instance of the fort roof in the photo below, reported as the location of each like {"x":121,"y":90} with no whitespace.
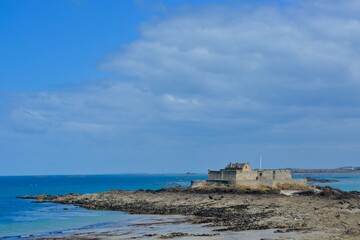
{"x":234,"y":165}
{"x":238,"y":166}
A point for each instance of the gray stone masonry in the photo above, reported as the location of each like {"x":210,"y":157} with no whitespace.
{"x":241,"y":174}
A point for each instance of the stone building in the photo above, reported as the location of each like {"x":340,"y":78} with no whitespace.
{"x":241,"y":174}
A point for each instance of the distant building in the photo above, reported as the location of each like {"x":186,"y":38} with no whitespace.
{"x":347,"y":168}
{"x":241,"y":174}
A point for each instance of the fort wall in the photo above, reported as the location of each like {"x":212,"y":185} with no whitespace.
{"x":283,"y":175}
{"x":246,"y":176}
{"x":242,"y":175}
{"x":214,"y":175}
{"x":228,"y":175}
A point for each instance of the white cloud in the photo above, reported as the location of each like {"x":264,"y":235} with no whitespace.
{"x":260,"y":75}
{"x":177,"y":100}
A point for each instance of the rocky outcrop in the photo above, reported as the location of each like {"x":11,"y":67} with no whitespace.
{"x":320,"y":180}
{"x":325,"y":209}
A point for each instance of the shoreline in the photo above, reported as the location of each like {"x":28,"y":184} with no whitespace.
{"x":330,"y":211}
{"x":169,"y":227}
{"x":162,"y":227}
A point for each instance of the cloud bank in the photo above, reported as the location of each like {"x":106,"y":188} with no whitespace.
{"x":207,"y":86}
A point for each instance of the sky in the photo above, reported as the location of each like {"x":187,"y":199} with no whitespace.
{"x":105,"y":86}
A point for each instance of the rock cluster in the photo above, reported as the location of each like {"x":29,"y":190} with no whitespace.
{"x":326,"y":209}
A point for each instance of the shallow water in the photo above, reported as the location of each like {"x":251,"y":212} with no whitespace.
{"x":345,"y":182}
{"x":21,"y":217}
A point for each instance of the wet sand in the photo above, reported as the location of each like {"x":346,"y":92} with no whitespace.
{"x":178,"y":227}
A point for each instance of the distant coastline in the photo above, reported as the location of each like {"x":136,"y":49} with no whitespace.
{"x":353,"y":170}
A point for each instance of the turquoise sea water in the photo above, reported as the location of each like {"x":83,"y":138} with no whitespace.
{"x":20,"y":218}
{"x":345,"y":182}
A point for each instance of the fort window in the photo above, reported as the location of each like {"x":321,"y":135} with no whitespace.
{"x":260,"y":174}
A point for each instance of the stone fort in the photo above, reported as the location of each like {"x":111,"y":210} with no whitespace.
{"x":241,"y":174}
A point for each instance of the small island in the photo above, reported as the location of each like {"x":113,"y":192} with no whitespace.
{"x":279,"y":205}
{"x":321,"y":213}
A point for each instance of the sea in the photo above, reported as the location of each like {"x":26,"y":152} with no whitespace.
{"x":23,"y":219}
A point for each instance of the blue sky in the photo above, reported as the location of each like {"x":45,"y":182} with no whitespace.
{"x":92,"y":86}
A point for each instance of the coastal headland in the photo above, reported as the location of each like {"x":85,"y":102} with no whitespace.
{"x":328,"y":213}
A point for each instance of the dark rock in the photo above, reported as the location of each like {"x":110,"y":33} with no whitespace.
{"x":215,"y":197}
{"x":150,"y":235}
{"x":319,"y":180}
{"x":26,"y":197}
{"x":352,"y":232}
{"x":335,"y":193}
